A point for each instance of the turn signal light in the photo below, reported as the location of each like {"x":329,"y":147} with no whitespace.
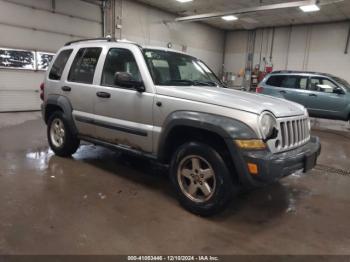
{"x":251,"y":144}
{"x":253,"y":169}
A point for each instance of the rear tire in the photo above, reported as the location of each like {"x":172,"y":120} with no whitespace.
{"x":201,"y":179}
{"x":61,"y":139}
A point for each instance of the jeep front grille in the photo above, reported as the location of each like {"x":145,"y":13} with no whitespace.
{"x":293,"y":132}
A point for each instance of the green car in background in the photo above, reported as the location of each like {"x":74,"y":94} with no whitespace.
{"x":324,"y":95}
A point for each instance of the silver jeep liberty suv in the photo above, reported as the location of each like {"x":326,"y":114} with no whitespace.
{"x":170,"y":107}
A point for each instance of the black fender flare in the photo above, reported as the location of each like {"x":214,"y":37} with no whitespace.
{"x":225,"y":127}
{"x":63,"y":103}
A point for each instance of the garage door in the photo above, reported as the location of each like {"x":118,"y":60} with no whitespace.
{"x":20,"y":100}
{"x":38,"y":26}
{"x":19,"y":90}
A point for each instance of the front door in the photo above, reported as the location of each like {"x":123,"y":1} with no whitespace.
{"x":322,"y":101}
{"x":123,"y":116}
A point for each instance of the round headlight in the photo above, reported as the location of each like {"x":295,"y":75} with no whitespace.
{"x":268,"y":124}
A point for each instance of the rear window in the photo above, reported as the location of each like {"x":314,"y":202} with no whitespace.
{"x":59,"y":64}
{"x":84,"y":65}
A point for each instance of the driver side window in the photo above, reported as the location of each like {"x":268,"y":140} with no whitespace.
{"x":321,"y":84}
{"x":119,"y":60}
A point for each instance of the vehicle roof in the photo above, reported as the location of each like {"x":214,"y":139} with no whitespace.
{"x":164,"y":49}
{"x":301,"y":72}
{"x":99,"y":40}
{"x":124,"y":41}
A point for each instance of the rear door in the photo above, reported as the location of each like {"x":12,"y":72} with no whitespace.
{"x":290,"y":87}
{"x":78,"y":87}
{"x":273,"y":86}
{"x":294,"y":87}
{"x":322,"y":101}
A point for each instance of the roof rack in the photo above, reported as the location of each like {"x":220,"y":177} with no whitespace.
{"x":297,"y":72}
{"x":108,"y":39}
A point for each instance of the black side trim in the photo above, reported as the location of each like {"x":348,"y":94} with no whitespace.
{"x":128,"y":150}
{"x":84,"y":120}
{"x":129,"y":130}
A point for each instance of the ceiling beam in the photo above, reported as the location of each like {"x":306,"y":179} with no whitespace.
{"x":93,"y":2}
{"x":245,"y":10}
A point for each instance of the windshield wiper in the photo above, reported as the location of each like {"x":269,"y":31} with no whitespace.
{"x":204,"y":83}
{"x":179,"y":81}
{"x":192,"y":82}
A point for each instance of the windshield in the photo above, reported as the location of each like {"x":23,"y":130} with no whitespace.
{"x":170,"y":68}
{"x":343,"y":82}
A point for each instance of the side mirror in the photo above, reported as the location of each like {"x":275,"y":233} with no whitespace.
{"x":338,"y":91}
{"x":124,"y":79}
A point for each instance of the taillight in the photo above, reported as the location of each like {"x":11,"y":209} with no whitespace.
{"x":42,"y":89}
{"x":259,"y":89}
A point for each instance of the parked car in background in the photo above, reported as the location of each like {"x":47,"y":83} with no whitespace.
{"x":324,"y":95}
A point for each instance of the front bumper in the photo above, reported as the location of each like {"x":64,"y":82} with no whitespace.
{"x":275,"y":166}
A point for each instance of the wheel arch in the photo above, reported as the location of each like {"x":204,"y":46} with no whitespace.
{"x":60,"y":103}
{"x":214,"y":130}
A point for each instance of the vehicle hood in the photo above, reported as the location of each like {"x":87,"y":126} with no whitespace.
{"x":250,"y":102}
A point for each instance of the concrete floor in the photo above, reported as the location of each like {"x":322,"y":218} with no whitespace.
{"x":99,"y":202}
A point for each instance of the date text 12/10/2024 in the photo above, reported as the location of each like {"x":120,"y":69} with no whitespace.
{"x":173,"y":258}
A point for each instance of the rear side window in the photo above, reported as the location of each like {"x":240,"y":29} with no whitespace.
{"x":275,"y":80}
{"x":59,"y":64}
{"x":288,"y":81}
{"x":84,"y":65}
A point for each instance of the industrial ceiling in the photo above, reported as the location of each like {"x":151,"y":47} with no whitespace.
{"x":331,"y":10}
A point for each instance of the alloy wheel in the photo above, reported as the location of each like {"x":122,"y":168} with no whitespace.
{"x":196,"y":178}
{"x":57,"y":132}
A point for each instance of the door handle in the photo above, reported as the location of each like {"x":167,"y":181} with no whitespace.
{"x":283,"y":92}
{"x":66,"y":88}
{"x":313,"y":95}
{"x":103,"y":94}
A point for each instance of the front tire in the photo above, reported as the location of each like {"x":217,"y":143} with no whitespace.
{"x":201,"y":179}
{"x":61,"y":139}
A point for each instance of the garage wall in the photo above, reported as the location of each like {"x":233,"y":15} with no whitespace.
{"x":235,"y":51}
{"x":309,"y":47}
{"x":145,"y":25}
{"x":39,"y":25}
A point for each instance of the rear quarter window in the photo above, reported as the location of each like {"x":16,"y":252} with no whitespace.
{"x":276,"y":80}
{"x":59,"y":64}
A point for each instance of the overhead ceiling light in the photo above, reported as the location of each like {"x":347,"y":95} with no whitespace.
{"x":310,"y":8}
{"x":229,"y":18}
{"x":184,"y":1}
